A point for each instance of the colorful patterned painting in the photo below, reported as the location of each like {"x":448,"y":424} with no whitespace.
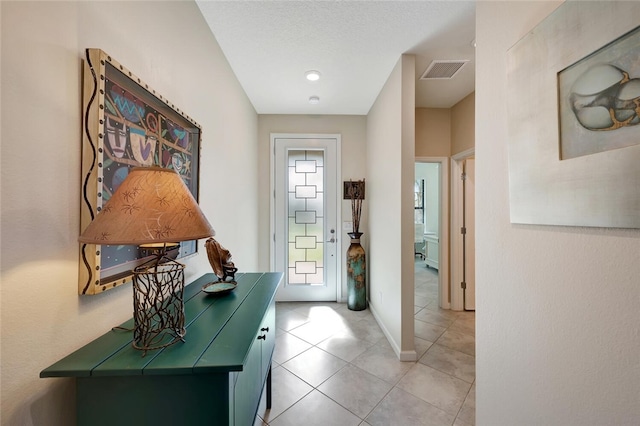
{"x":127,"y":125}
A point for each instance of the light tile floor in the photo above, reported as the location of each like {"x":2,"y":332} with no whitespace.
{"x":334,"y":367}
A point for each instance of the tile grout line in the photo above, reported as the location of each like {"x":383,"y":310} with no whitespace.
{"x":393,"y":385}
{"x":348,"y":363}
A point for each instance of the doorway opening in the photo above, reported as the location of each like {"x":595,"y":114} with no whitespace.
{"x":431,"y":240}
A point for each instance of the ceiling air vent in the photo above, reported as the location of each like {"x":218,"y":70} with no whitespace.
{"x":438,"y":70}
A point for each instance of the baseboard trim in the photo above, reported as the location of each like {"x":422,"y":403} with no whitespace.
{"x":402,"y":355}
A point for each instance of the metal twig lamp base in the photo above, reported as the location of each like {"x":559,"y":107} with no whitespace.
{"x":154,"y":210}
{"x":158,"y":305}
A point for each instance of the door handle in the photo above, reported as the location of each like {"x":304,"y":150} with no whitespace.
{"x":333,"y":238}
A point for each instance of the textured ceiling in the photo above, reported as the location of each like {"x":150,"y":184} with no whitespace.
{"x":354,"y":44}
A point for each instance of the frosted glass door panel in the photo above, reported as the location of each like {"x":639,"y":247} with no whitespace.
{"x":306,"y":247}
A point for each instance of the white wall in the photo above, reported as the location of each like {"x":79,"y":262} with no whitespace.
{"x":352,"y":129}
{"x":390,"y":174}
{"x":557,"y":307}
{"x":168,"y":46}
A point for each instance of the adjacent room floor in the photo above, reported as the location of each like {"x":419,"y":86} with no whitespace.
{"x":334,"y":367}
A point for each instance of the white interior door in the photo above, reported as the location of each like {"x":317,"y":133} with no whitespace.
{"x":304,"y":217}
{"x":470,"y":235}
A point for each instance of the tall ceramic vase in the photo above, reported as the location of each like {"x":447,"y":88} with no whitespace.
{"x":356,"y":274}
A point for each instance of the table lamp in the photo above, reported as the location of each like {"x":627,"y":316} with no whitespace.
{"x":153,"y":209}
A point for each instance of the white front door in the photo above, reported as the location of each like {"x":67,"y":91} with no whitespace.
{"x":304,"y":216}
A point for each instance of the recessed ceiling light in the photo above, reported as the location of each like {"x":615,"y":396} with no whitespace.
{"x":313,"y":100}
{"x":312,"y":75}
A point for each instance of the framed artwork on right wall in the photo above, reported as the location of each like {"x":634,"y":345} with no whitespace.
{"x":572,"y":117}
{"x":599,"y":99}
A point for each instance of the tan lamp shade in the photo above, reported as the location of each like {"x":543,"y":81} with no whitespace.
{"x":152,"y":205}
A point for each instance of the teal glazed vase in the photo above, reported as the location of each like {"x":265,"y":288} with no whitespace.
{"x":356,"y":274}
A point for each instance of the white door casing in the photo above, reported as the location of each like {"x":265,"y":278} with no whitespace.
{"x":469,"y":294}
{"x":304,"y":215}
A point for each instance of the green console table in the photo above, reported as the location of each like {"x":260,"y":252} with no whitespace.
{"x":215,"y":377}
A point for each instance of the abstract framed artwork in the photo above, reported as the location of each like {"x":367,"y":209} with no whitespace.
{"x":599,"y":99}
{"x":125,"y":125}
{"x":573,"y":106}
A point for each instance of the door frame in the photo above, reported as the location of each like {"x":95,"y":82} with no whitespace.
{"x":338,"y":192}
{"x":444,"y":296}
{"x":457,"y":212}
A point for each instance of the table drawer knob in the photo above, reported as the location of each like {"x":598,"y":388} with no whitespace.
{"x":262,"y":337}
{"x":265,"y":329}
